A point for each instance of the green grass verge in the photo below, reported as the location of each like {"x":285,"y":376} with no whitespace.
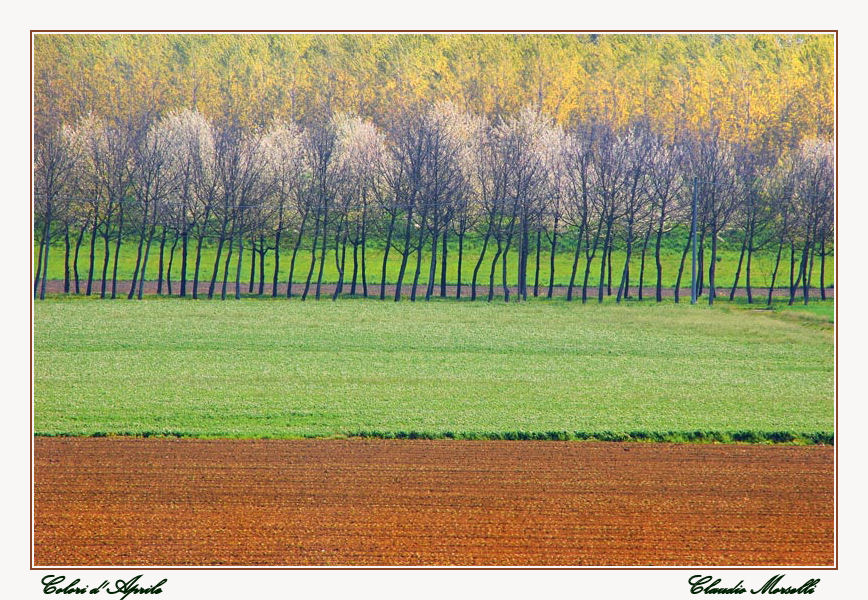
{"x":535,"y":370}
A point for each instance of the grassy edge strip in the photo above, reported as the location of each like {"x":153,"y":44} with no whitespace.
{"x":678,"y":437}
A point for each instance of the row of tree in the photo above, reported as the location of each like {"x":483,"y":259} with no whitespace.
{"x":309,"y":191}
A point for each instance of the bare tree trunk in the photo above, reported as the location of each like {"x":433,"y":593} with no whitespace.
{"x":642,"y":262}
{"x":479,"y":264}
{"x":775,"y":271}
{"x":576,"y":256}
{"x":312,"y":258}
{"x":325,"y":229}
{"x":135,"y":278}
{"x":66,"y":270}
{"x":117,"y":252}
{"x":536,"y":270}
{"x":364,"y":262}
{"x":197,"y":265}
{"x":553,"y":253}
{"x":169,"y":267}
{"x":294,"y":253}
{"x":603,"y":258}
{"x":75,"y":258}
{"x":276,"y":262}
{"x":252,"y":281}
{"x":145,"y":260}
{"x":460,"y":260}
{"x":92,"y":257}
{"x":386,"y":250}
{"x":185,"y":244}
{"x":405,"y":255}
{"x":443,"y":263}
{"x":624,"y":286}
{"x":738,"y":268}
{"x":712,"y":269}
{"x":220,"y":241}
{"x":493,"y":267}
{"x":38,"y":277}
{"x":162,"y":263}
{"x":822,"y":267}
{"x":238,"y":264}
{"x":44,"y":274}
{"x":432,"y":270}
{"x":105,"y":263}
{"x":680,"y":269}
{"x":355,"y":268}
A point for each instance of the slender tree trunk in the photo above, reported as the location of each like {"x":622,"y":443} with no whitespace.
{"x":240,"y":261}
{"x":712,"y":269}
{"x":609,"y":267}
{"x":553,"y":253}
{"x":220,"y":241}
{"x":355,"y":268}
{"x":276,"y":262}
{"x":386,"y":250}
{"x":294,"y":253}
{"x":822,"y":267}
{"x":75,"y":258}
{"x":38,"y":277}
{"x":105,"y":263}
{"x":747,"y":272}
{"x":432,"y":270}
{"x":135,"y":277}
{"x":44,"y":273}
{"x":419,"y":246}
{"x":92,"y":257}
{"x":479,"y":264}
{"x":536,"y":270}
{"x":312,"y":257}
{"x":364,"y":262}
{"x":624,"y":286}
{"x":117,"y":252}
{"x":147,"y":254}
{"x":162,"y":263}
{"x":493,"y":267}
{"x":199,"y":238}
{"x":606,"y":255}
{"x":443,"y":263}
{"x":576,"y":255}
{"x":185,"y":244}
{"x":589,"y":256}
{"x":252,"y":281}
{"x":460,"y":261}
{"x":738,"y":268}
{"x":66,"y":269}
{"x":169,"y":267}
{"x":681,"y":269}
{"x":405,"y":255}
{"x":775,"y":271}
{"x":807,"y":279}
{"x":325,"y":229}
{"x":658,"y":263}
{"x":642,"y":261}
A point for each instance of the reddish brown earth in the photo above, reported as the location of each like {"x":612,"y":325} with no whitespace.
{"x":55,"y":286}
{"x":123,"y":501}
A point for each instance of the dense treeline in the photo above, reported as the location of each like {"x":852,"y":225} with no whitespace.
{"x":767,"y":90}
{"x":323,"y":187}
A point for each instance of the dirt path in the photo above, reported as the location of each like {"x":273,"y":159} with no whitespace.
{"x":122,"y":501}
{"x":55,"y":286}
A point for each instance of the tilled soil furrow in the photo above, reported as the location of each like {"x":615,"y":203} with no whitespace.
{"x":125,"y":501}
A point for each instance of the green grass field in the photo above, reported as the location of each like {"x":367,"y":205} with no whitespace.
{"x":761,"y":270}
{"x":547,"y":369}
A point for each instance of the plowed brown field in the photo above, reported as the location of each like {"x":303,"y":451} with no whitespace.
{"x":123,"y":501}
